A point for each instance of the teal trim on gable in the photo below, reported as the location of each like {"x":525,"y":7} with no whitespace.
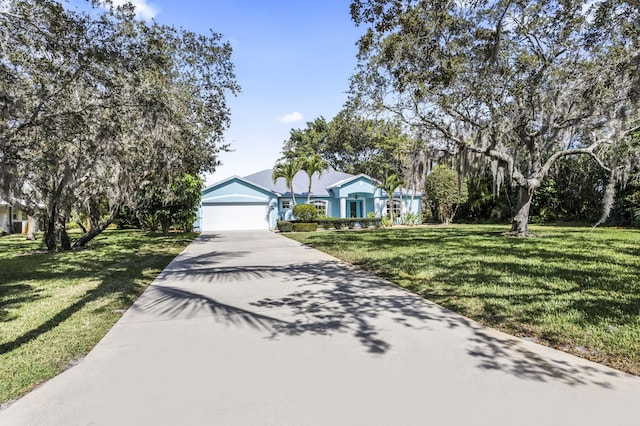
{"x":236,"y":190}
{"x":361,"y":185}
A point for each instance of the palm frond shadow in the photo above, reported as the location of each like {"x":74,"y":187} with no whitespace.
{"x":223,"y":274}
{"x":333,"y":297}
{"x":174,"y":302}
{"x":208,"y":258}
{"x":508,"y":354}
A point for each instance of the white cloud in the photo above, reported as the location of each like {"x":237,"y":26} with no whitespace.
{"x":291,"y":117}
{"x":144,"y":10}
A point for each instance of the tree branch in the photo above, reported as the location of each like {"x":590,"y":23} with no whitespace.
{"x":576,"y":151}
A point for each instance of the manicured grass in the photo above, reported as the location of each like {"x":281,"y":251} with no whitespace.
{"x":55,"y":307}
{"x":568,"y":288}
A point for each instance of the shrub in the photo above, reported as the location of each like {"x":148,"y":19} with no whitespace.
{"x":284,"y":226}
{"x":305,"y":212}
{"x":127,"y":219}
{"x":411,"y":219}
{"x":305,"y":226}
{"x":446,"y":190}
{"x":350,"y":223}
{"x":325,"y":222}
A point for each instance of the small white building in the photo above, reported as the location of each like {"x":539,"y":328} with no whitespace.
{"x":12,"y":219}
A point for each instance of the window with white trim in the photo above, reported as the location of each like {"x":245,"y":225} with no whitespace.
{"x":397,"y":208}
{"x":321,"y":206}
{"x":285,"y":204}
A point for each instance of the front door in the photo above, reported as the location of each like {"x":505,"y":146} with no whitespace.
{"x":354,"y":210}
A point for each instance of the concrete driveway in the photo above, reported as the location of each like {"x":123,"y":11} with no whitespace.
{"x":251,"y":328}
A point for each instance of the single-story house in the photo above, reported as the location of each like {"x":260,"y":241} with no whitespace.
{"x":256,"y":202}
{"x":12,"y":219}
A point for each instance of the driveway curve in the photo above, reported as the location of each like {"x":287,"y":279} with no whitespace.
{"x":251,"y":328}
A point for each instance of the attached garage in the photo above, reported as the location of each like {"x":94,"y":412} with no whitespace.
{"x":234,"y":216}
{"x":236,"y":204}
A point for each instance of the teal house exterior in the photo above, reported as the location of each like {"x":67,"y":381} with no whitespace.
{"x":256,"y":202}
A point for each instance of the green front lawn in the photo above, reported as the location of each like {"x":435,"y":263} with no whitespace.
{"x":55,"y":307}
{"x":568,"y":288}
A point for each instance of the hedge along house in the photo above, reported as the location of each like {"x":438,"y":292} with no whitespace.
{"x":256,"y":202}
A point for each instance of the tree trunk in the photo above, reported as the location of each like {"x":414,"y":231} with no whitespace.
{"x":93,"y":214}
{"x":55,"y":231}
{"x":166,"y":225}
{"x":65,"y":242}
{"x":50,"y":229}
{"x":32,"y":228}
{"x":446,"y":213}
{"x":61,"y":232}
{"x":82,"y":227}
{"x":95,"y":231}
{"x":520,"y":223}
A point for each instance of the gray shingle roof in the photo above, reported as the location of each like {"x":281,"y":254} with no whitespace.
{"x":319,"y":184}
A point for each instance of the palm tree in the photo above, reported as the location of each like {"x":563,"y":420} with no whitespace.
{"x":312,"y":165}
{"x":287,"y":170}
{"x":390,"y":184}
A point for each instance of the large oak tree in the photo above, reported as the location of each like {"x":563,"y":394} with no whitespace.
{"x":97,"y":105}
{"x":517,"y":83}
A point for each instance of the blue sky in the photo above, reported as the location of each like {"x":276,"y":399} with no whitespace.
{"x":293,"y":59}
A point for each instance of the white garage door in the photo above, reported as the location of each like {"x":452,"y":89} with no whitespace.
{"x":234,"y":216}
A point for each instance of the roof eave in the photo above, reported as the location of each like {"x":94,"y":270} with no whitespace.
{"x":236,"y":177}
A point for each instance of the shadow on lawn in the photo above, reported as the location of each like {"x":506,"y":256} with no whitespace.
{"x":587,"y":280}
{"x":116,"y":271}
{"x":13,"y":295}
{"x":524,"y":271}
{"x":332,"y":298}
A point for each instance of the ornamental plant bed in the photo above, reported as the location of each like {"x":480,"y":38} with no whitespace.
{"x":285,"y":226}
{"x":350,"y":223}
{"x":305,"y":227}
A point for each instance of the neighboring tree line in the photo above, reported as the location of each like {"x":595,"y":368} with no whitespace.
{"x":573,"y":190}
{"x":534,"y":104}
{"x":520,"y":89}
{"x":102,"y":112}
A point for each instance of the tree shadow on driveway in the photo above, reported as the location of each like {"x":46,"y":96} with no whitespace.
{"x":330,"y":297}
{"x":179,"y":303}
